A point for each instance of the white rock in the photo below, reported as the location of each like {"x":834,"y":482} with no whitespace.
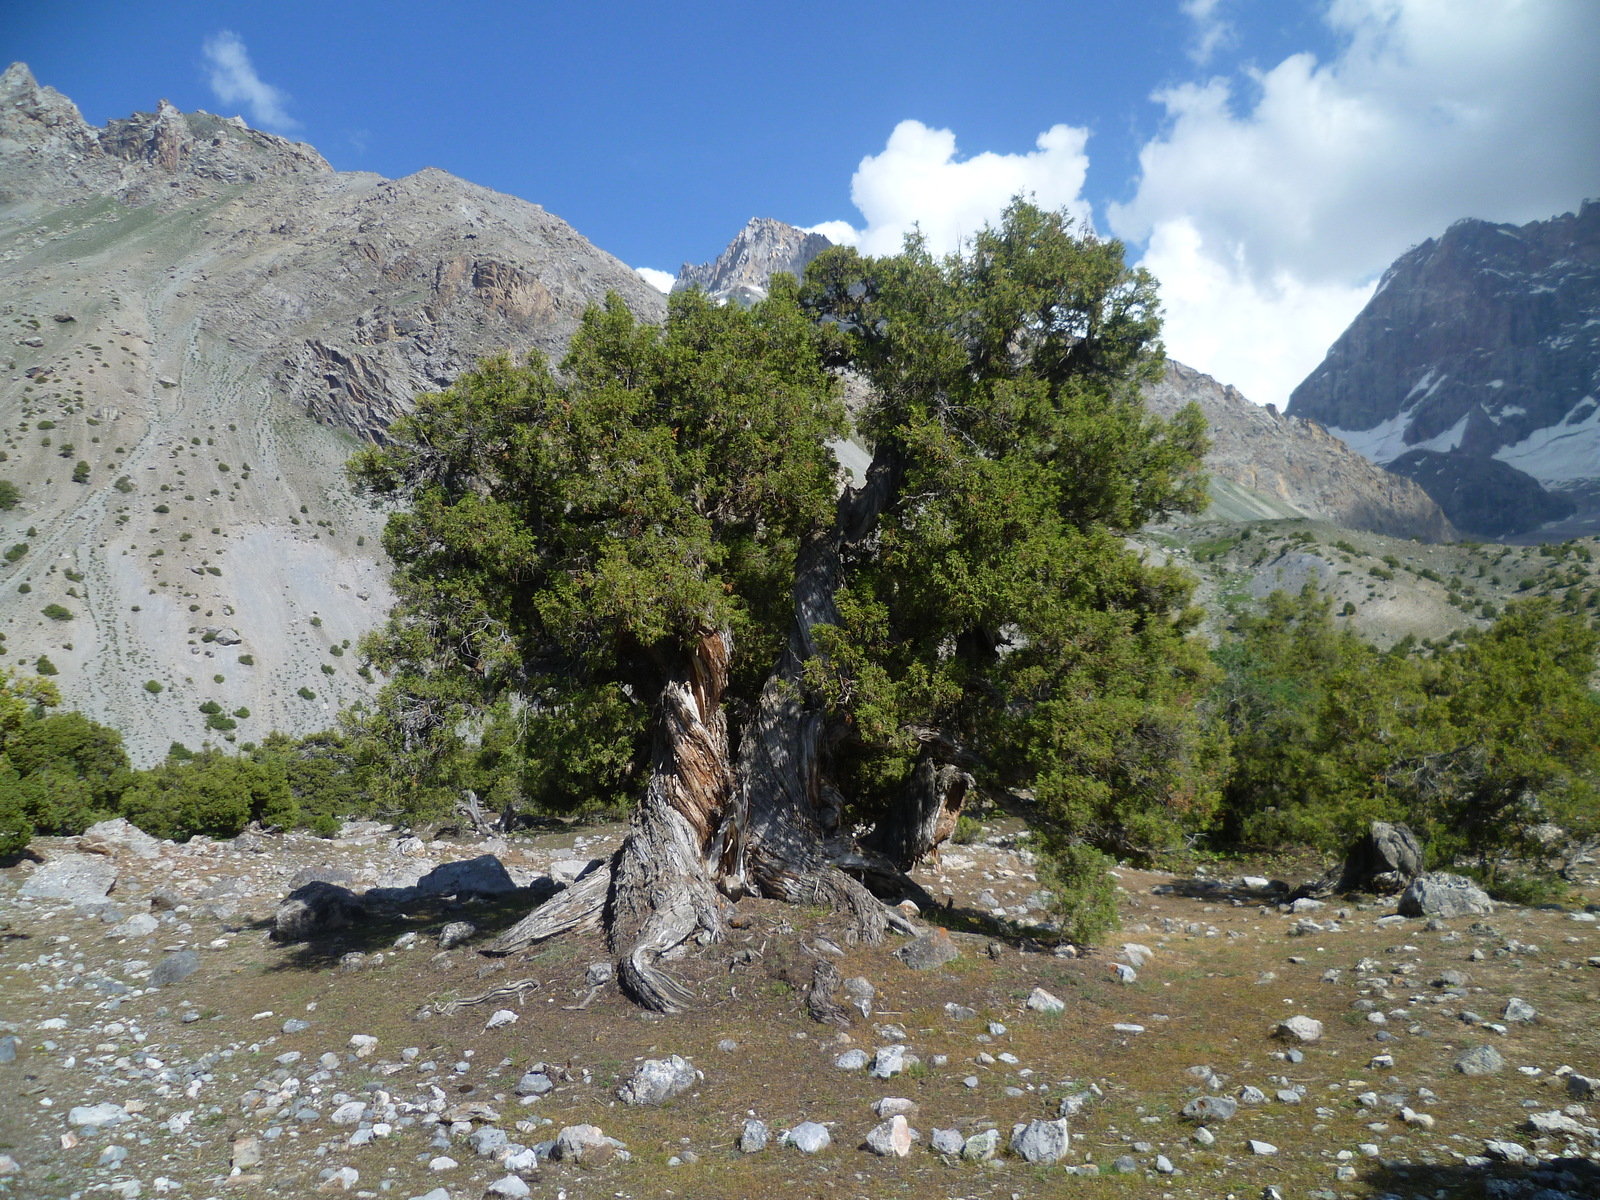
{"x":1040,"y":1000}
{"x":891,"y":1139}
{"x":443,"y":1163}
{"x":1041,"y":1141}
{"x":501,"y":1017}
{"x":1262,"y":1148}
{"x":349,"y":1113}
{"x":341,"y":1180}
{"x":1299,"y":1029}
{"x":808,"y":1137}
{"x":510,"y":1186}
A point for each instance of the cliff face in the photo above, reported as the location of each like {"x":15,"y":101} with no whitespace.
{"x":762,"y":249}
{"x":1297,"y":463}
{"x":1481,"y":345}
{"x":182,"y":293}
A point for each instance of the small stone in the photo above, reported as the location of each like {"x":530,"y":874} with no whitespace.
{"x":1041,"y":1141}
{"x":1299,"y":1029}
{"x":534,"y":1083}
{"x":8,"y":1049}
{"x":1438,"y":894}
{"x":1480,"y":1060}
{"x":583,"y":1144}
{"x":981,"y":1146}
{"x":932,"y":950}
{"x":296,"y":1025}
{"x":363,"y":1044}
{"x":888,"y":1062}
{"x":341,"y":1180}
{"x":1211,"y":1108}
{"x":112,"y":1156}
{"x":959,"y":1012}
{"x":511,"y":1187}
{"x":174,"y":967}
{"x":1262,"y":1148}
{"x":892,"y":1139}
{"x":501,"y":1017}
{"x":1040,"y":1000}
{"x":852,"y":1060}
{"x":349,"y":1113}
{"x":442,"y":1163}
{"x":97,"y":1116}
{"x":456,"y":932}
{"x":1518,"y":1009}
{"x":753,"y":1136}
{"x":947,"y":1141}
{"x":808,"y":1137}
{"x":1164,"y":1164}
{"x":657,"y":1080}
{"x":486,"y":1140}
{"x":1205,"y":1137}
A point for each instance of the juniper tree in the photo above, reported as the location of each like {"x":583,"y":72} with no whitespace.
{"x":648,"y":564}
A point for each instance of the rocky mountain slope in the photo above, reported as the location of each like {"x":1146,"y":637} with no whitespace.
{"x":207,"y":318}
{"x":1475,"y":369}
{"x":1267,"y":466}
{"x":761,"y":249}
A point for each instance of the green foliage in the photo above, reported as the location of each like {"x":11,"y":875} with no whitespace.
{"x":153,"y":687}
{"x":45,"y":667}
{"x":16,"y":551}
{"x":210,"y":706}
{"x":323,"y":776}
{"x":10,"y":495}
{"x":123,"y":484}
{"x":70,"y":745}
{"x":566,"y":539}
{"x":306,"y":693}
{"x":1083,"y":893}
{"x":999,"y":602}
{"x":57,"y":612}
{"x":1474,"y":745}
{"x":247,"y":660}
{"x":210,"y":793}
{"x":967,"y":831}
{"x":16,"y":830}
{"x":80,"y":473}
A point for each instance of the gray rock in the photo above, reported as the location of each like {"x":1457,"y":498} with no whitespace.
{"x":1040,"y":1000}
{"x":933,"y":949}
{"x":891,"y":1139}
{"x":948,"y":1141}
{"x":120,"y":834}
{"x":534,"y":1083}
{"x":1518,"y":1009}
{"x":600,"y":973}
{"x":78,"y":878}
{"x":657,"y":1080}
{"x":851,"y":1060}
{"x":1041,"y":1141}
{"x":174,"y":967}
{"x":808,"y":1137}
{"x":1581,"y":1087}
{"x":861,"y":993}
{"x":138,"y":925}
{"x":296,"y":1025}
{"x":314,"y":910}
{"x":485,"y":875}
{"x":511,"y":1187}
{"x":1438,"y":894}
{"x":583,"y":1144}
{"x":1299,"y":1029}
{"x":486,"y":1139}
{"x":1451,"y":979}
{"x":1481,"y":1060}
{"x":1385,"y":860}
{"x":166,"y":899}
{"x":1262,"y":1148}
{"x":1205,"y":1137}
{"x":959,"y":1012}
{"x":456,"y":932}
{"x":981,"y":1146}
{"x":342,"y":876}
{"x":97,"y":1116}
{"x":8,"y":1049}
{"x":569,"y":870}
{"x":888,"y":1062}
{"x":753,"y":1137}
{"x":1211,"y":1108}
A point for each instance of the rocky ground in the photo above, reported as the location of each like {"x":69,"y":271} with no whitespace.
{"x":157,"y":1040}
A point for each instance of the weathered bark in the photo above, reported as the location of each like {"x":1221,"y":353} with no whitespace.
{"x":926,"y":814}
{"x":659,"y":888}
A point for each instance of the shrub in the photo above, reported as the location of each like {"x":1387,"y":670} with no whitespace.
{"x":45,"y":667}
{"x":57,"y":612}
{"x":80,"y":473}
{"x":221,"y":723}
{"x":211,"y":793}
{"x":307,"y":694}
{"x":327,"y":669}
{"x":162,"y":508}
{"x":16,"y":831}
{"x":151,"y":686}
{"x":10,"y":495}
{"x":1084,"y":893}
{"x":88,"y":754}
{"x":210,"y":707}
{"x":968,"y":830}
{"x":241,"y":712}
{"x":247,"y":660}
{"x":123,"y":484}
{"x":16,"y":551}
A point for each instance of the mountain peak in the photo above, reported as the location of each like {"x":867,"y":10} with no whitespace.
{"x":761,"y":249}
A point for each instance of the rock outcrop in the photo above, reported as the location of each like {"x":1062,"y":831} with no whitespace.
{"x":1289,"y":467}
{"x":1480,"y":346}
{"x":762,"y":249}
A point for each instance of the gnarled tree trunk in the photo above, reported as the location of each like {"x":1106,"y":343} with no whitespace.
{"x":768,"y":826}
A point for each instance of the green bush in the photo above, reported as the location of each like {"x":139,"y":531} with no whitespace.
{"x":123,"y":484}
{"x":1084,"y":895}
{"x":210,"y":707}
{"x":968,"y":830}
{"x":247,"y":660}
{"x":80,"y":473}
{"x":307,"y":694}
{"x":16,"y":551}
{"x":151,"y":686}
{"x":241,"y":712}
{"x":16,"y":831}
{"x":10,"y":495}
{"x":88,"y":754}
{"x":45,"y":667}
{"x":211,"y":793}
{"x":57,"y":612}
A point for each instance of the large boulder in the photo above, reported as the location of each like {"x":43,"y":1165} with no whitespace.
{"x":485,"y":875}
{"x":78,"y":878}
{"x":315,"y":909}
{"x":1041,"y":1141}
{"x":933,"y":949}
{"x":1385,"y":860}
{"x":120,"y":835}
{"x":1437,"y":894}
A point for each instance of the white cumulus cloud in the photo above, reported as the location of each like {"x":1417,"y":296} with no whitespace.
{"x":1211,"y":30}
{"x":918,"y":181}
{"x":1269,"y":209}
{"x":660,"y":280}
{"x":234,"y":80}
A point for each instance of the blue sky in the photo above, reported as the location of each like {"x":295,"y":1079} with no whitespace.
{"x":1266,"y":157}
